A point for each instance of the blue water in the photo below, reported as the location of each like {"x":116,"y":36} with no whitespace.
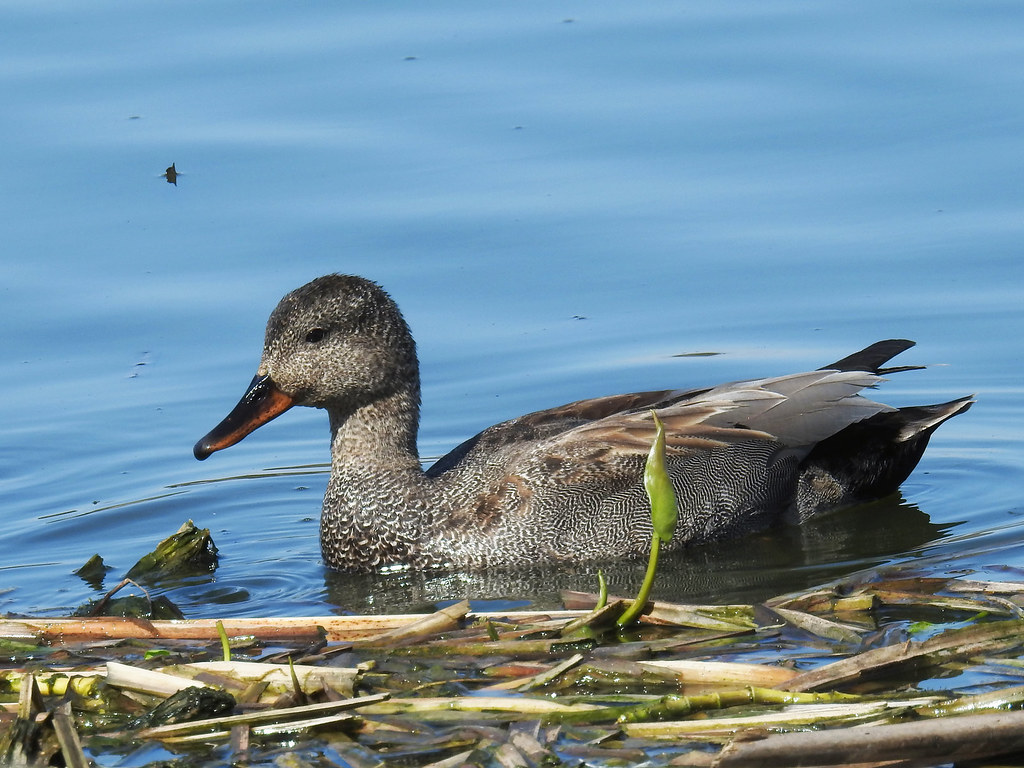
{"x":563,"y":198}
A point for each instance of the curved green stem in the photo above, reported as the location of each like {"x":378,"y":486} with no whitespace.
{"x":632,"y":613}
{"x":602,"y":591}
{"x":224,"y":644}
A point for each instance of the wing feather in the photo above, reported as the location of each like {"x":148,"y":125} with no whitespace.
{"x":795,"y":411}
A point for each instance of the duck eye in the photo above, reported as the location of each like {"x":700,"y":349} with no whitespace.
{"x":315,"y":334}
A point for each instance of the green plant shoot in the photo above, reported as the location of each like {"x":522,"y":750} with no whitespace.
{"x":664,"y":508}
{"x":225,"y":645}
{"x":664,"y":513}
{"x":602,"y":591}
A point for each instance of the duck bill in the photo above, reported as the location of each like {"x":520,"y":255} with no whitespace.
{"x":261,"y":402}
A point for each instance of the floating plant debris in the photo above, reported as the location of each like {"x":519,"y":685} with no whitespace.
{"x":850,"y":672}
{"x":189,"y":550}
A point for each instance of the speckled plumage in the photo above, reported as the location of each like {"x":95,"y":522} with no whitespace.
{"x":562,"y":484}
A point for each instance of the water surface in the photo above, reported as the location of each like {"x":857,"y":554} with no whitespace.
{"x":567,"y":200}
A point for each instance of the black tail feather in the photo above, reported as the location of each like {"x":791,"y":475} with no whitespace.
{"x":871,"y":358}
{"x":925,"y":419}
{"x":871,"y":458}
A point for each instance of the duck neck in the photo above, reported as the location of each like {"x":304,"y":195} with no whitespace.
{"x":377,"y":506}
{"x":381,"y":434}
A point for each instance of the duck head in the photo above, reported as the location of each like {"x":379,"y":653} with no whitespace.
{"x":339,"y":343}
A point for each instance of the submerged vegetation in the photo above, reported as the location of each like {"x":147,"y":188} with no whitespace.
{"x":913,"y":670}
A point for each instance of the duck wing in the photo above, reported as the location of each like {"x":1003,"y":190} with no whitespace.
{"x":774,"y":406}
{"x":798,"y":410}
{"x":794,"y":411}
{"x":541,"y":425}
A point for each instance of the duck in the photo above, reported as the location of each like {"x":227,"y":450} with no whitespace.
{"x":563,"y":485}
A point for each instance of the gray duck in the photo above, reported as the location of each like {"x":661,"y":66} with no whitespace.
{"x":563,"y":484}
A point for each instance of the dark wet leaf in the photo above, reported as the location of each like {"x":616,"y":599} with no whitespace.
{"x":93,"y":572}
{"x":133,"y":606}
{"x":188,"y":704}
{"x":190,"y":550}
